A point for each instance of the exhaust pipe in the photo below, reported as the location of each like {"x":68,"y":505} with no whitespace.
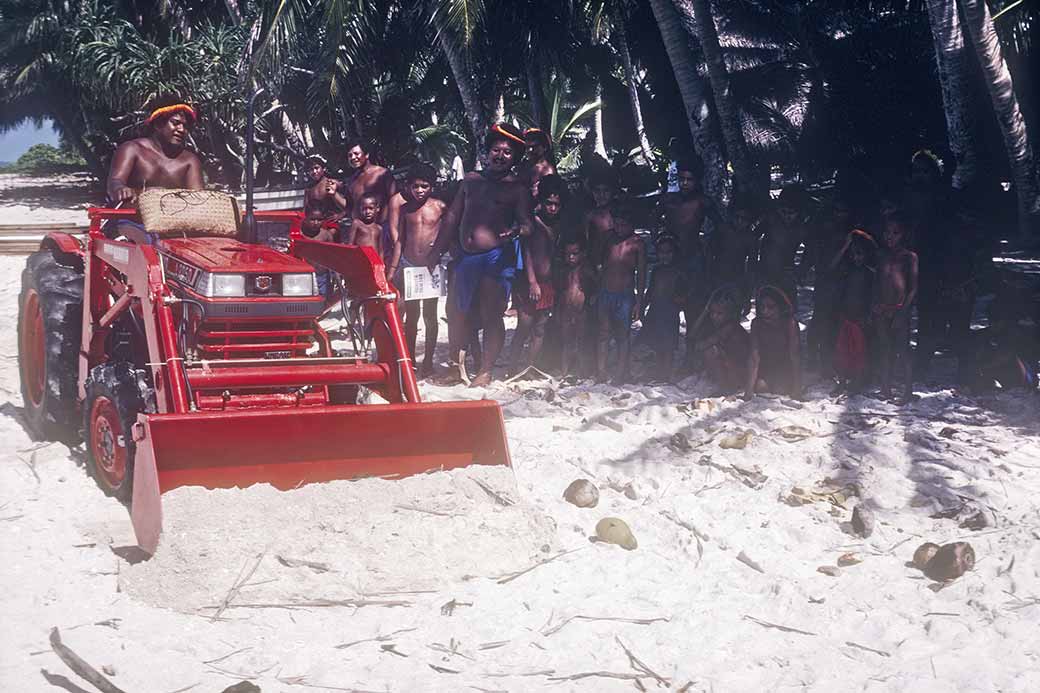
{"x":249,"y":220}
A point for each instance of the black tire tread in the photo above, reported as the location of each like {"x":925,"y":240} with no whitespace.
{"x":130,"y":389}
{"x":60,"y":288}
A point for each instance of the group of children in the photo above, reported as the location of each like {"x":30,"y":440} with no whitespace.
{"x":583,"y":277}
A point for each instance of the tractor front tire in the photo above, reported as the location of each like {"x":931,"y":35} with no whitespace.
{"x":49,"y":327}
{"x":116,"y":394}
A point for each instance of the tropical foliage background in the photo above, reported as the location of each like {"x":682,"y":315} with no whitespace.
{"x":803,"y":87}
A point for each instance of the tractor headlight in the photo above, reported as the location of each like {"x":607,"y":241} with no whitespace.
{"x":222,"y":285}
{"x":299,"y":284}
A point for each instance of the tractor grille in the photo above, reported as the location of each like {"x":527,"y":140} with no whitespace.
{"x":254,"y":339}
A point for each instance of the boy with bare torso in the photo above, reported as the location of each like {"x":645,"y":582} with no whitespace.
{"x":366,"y":231}
{"x":489,"y":213}
{"x":414,"y":226}
{"x":621,"y":294}
{"x":533,"y":292}
{"x":598,"y":224}
{"x":539,"y":159}
{"x":783,"y":232}
{"x":666,"y":296}
{"x":732,"y":246}
{"x":576,"y":285}
{"x":323,"y":203}
{"x":895,"y":288}
{"x":682,"y":216}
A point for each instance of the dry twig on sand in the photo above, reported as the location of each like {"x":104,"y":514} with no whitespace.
{"x":239,"y":582}
{"x":868,"y":649}
{"x":512,"y":576}
{"x":302,"y":681}
{"x":640,"y":666}
{"x":428,"y":511}
{"x":599,"y":674}
{"x":321,"y":603}
{"x":378,"y":638}
{"x":498,"y":498}
{"x":579,"y":617}
{"x":743,"y":558}
{"x":297,"y":563}
{"x":767,"y":624}
{"x":80,"y":666}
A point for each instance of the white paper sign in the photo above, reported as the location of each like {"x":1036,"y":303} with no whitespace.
{"x":420,"y":283}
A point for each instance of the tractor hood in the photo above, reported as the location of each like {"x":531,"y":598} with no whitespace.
{"x":229,"y":255}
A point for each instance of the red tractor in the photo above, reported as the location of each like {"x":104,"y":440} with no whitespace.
{"x":199,"y":360}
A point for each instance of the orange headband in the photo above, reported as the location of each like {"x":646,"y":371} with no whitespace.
{"x":169,"y":110}
{"x":497,"y":128}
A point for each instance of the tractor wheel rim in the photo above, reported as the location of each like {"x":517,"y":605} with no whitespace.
{"x":34,"y":350}
{"x":107,"y":444}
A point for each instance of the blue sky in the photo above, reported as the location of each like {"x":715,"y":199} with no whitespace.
{"x":13,"y":143}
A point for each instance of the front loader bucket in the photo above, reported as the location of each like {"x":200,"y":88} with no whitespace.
{"x":299,"y":445}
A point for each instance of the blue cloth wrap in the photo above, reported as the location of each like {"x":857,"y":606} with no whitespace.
{"x":618,"y":305}
{"x":499,"y":264}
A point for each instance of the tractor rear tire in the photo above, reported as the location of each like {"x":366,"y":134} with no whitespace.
{"x":116,"y":394}
{"x":49,"y":327}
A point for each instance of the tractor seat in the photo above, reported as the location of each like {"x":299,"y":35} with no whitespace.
{"x":176,"y":213}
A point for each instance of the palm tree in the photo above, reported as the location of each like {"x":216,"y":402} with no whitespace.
{"x":37,"y":69}
{"x":700,"y":23}
{"x":607,"y":21}
{"x":694,"y":96}
{"x":631,"y":83}
{"x":456,"y":23}
{"x":1005,"y":106}
{"x":951,"y":60}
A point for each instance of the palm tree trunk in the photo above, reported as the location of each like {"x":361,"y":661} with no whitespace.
{"x":539,"y":111}
{"x":697,"y":18}
{"x":951,"y":61}
{"x":633,"y":87}
{"x":1009,"y":117}
{"x":597,"y":122}
{"x":694,"y":96}
{"x":466,"y":85}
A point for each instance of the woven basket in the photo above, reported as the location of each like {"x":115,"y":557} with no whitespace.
{"x":172,"y":212}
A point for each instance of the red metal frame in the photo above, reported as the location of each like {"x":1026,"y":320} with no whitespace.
{"x":235,"y":421}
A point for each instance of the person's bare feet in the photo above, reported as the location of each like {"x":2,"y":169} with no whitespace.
{"x":483,"y":379}
{"x":427,"y":370}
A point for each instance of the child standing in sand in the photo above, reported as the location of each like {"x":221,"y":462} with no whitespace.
{"x":416,"y":223}
{"x":774,"y":363}
{"x":575,"y":287}
{"x":894,"y":291}
{"x":533,"y":291}
{"x":666,"y":297}
{"x":621,"y":294}
{"x":855,"y":282}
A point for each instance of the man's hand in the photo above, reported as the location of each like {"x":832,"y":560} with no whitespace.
{"x":122,"y":194}
{"x":331,"y":186}
{"x":535,"y":292}
{"x":637,"y":311}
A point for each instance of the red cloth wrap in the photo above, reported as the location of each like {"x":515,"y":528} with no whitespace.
{"x":522,"y":297}
{"x":850,"y":352}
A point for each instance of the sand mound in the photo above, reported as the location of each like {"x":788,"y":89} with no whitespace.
{"x":373,"y":535}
